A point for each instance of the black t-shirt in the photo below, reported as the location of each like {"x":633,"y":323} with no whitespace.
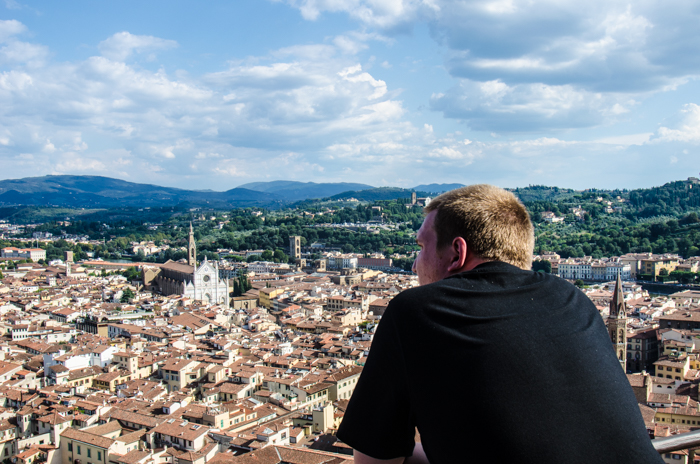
{"x":496,"y":364}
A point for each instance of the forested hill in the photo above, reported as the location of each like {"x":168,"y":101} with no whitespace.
{"x":594,"y":223}
{"x":610,"y":223}
{"x":541,"y":192}
{"x":673,"y":198}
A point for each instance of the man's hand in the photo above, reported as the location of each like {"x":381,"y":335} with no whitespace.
{"x":417,"y":458}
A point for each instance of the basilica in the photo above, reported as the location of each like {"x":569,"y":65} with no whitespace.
{"x":199,"y":283}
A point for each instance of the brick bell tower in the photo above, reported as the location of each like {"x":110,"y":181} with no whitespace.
{"x":617,"y":324}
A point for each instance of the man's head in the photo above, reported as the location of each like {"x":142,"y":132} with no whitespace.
{"x":471,"y":225}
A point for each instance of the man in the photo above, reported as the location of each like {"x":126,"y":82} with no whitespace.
{"x":490,"y":361}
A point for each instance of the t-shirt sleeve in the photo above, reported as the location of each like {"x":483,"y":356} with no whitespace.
{"x":379,"y":421}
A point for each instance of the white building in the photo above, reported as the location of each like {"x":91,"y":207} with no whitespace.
{"x":35,"y":254}
{"x":598,"y":270}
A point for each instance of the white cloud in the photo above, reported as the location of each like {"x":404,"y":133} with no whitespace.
{"x":14,"y":51}
{"x":599,"y":49}
{"x":626,"y":140}
{"x":284,"y":109}
{"x":308,"y":112}
{"x":687,"y":130}
{"x":9,"y":28}
{"x":123,"y":44}
{"x":379,"y":13}
{"x":70,"y":163}
{"x":496,"y":106}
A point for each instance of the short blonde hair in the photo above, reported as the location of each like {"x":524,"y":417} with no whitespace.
{"x":493,"y":222}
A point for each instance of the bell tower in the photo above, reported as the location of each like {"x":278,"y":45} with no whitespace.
{"x":617,"y":324}
{"x":192,"y":249}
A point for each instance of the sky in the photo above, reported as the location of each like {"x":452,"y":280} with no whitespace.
{"x":216,"y":94}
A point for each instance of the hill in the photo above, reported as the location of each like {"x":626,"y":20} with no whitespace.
{"x":295,"y":191}
{"x":106,"y":192}
{"x":376,"y":194}
{"x":436,"y":188}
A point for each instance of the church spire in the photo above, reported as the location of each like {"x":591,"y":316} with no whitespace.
{"x":618,"y":309}
{"x":191,"y":249}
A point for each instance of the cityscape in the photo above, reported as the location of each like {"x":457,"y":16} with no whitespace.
{"x":349,"y":231}
{"x":145,"y":341}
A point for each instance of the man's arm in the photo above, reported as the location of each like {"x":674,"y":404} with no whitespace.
{"x":417,"y":458}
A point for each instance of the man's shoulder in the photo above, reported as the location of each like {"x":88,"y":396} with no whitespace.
{"x":501,"y":280}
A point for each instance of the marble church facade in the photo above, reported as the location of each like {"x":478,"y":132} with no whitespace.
{"x":189,"y":280}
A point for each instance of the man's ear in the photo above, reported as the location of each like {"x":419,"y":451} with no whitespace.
{"x":458,"y":250}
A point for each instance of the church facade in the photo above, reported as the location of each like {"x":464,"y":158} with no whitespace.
{"x":191,"y":281}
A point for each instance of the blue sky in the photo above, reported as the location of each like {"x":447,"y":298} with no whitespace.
{"x":386,"y":92}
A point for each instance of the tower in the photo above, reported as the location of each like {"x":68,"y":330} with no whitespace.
{"x":617,"y":323}
{"x":191,"y":249}
{"x":68,"y":255}
{"x":295,"y":246}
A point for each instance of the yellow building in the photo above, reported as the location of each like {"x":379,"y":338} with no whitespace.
{"x":679,"y":415}
{"x":654,"y":266}
{"x":109,"y":380}
{"x":82,"y":379}
{"x":177,"y":373}
{"x":267,"y":295}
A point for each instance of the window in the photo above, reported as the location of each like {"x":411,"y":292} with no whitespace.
{"x":99,"y":455}
{"x":70,"y":446}
{"x":89,"y":452}
{"x":78,"y":449}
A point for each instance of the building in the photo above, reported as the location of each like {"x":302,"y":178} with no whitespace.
{"x":199,"y":283}
{"x":617,"y":324}
{"x":642,"y":350}
{"x":597,"y":270}
{"x":342,"y":261}
{"x":381,"y":264}
{"x":295,"y":246}
{"x":651,"y":268}
{"x":35,"y":254}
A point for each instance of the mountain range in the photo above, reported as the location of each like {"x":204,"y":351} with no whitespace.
{"x":106,"y":192}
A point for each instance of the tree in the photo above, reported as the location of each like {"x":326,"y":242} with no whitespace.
{"x":542,"y":265}
{"x":280,"y":256}
{"x":127,"y":295}
{"x":241,"y":284}
{"x":579,"y":283}
{"x":131,"y":273}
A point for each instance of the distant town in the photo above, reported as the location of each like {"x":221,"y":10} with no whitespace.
{"x":150,"y":342}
